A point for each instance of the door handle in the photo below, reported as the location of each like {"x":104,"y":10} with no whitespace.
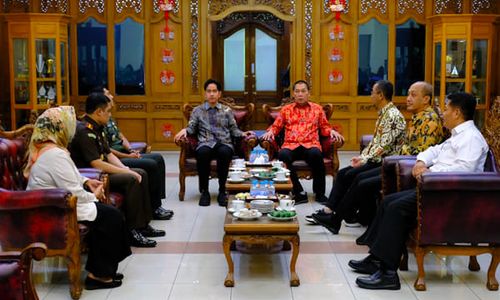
{"x":254,"y":93}
{"x":245,"y":93}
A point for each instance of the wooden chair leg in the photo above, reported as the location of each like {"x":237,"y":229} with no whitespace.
{"x":182,"y":185}
{"x":420,"y":281}
{"x":403,"y":265}
{"x":74,"y":271}
{"x":492,"y":283}
{"x":473,"y":264}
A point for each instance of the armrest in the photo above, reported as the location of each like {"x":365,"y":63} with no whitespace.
{"x":271,"y":146}
{"x":248,"y":143}
{"x":35,"y":250}
{"x":459,"y":208}
{"x":23,"y":200}
{"x":405,"y":179}
{"x":46,"y":215}
{"x":97,"y":174}
{"x":390,"y":165}
{"x":329,"y":146}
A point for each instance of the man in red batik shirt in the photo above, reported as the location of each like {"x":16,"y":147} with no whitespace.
{"x":304,"y":122}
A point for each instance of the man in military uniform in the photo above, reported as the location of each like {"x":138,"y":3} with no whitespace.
{"x":89,"y":148}
{"x":152,"y":163}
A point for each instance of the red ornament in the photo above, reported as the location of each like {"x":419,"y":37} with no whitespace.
{"x":337,"y":6}
{"x":166,"y":6}
{"x":335,"y":76}
{"x":167,"y":77}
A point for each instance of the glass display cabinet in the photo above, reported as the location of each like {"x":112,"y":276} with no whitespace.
{"x":38,"y":58}
{"x":462,"y":58}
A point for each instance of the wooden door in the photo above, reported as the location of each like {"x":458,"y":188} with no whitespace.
{"x":252,"y":59}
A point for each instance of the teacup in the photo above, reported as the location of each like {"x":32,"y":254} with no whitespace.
{"x":235,"y":175}
{"x":277,"y":164}
{"x":287,"y":204}
{"x":280,"y":175}
{"x":237,"y":205}
{"x":239,"y":163}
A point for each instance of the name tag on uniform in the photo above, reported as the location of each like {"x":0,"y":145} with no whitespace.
{"x":91,"y":135}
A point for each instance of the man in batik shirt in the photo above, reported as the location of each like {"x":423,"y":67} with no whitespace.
{"x":215,"y":126}
{"x":424,"y":130}
{"x":303,"y":122}
{"x":388,"y":138}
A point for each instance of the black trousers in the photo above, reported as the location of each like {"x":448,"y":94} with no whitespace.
{"x":343,"y":182}
{"x":204,"y":155}
{"x":136,"y":204}
{"x":314,"y":158}
{"x":107,"y":241}
{"x":395,"y":218}
{"x":154,"y":165}
{"x":361,"y":198}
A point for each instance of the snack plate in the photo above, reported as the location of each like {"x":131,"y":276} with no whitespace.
{"x":235,"y":181}
{"x":237,"y":215}
{"x":281,"y":219}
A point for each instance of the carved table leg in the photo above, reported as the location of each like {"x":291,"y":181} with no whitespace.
{"x":227,"y":241}
{"x":294,"y":278}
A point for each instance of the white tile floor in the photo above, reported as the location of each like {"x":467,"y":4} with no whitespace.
{"x":189,"y":264}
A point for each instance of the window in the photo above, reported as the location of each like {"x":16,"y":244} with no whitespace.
{"x":372,"y":55}
{"x":234,"y":61}
{"x":129,"y":58}
{"x":92,"y":55}
{"x":410,"y":56}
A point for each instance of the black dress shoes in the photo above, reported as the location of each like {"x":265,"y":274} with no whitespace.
{"x":330,"y":221}
{"x":380,"y":280}
{"x":321,"y":199}
{"x":94,"y":284}
{"x":222,"y":199}
{"x":368,"y":265}
{"x":300,"y":197}
{"x":162,"y":214}
{"x":138,"y":240}
{"x":204,"y":199}
{"x":118,"y":276}
{"x":151,"y":232}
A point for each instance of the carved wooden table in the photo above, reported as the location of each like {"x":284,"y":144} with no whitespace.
{"x":260,"y":231}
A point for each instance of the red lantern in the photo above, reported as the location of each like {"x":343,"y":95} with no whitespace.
{"x":166,"y":6}
{"x":337,"y":6}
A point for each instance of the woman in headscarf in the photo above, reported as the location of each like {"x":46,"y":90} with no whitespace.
{"x":50,"y":166}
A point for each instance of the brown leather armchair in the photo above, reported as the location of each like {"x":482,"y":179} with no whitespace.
{"x":187,"y":157}
{"x":47,"y":216}
{"x":458,"y":213}
{"x":15,"y":272}
{"x":328,"y":146}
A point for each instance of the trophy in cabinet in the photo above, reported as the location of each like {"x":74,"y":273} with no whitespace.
{"x":40,"y":64}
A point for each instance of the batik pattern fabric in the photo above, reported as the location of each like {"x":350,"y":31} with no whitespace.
{"x":213,"y":125}
{"x":302,"y":124}
{"x":388,"y":137}
{"x":425,"y":129}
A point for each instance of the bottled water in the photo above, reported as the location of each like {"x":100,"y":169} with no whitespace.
{"x":272,"y":189}
{"x":254,"y":188}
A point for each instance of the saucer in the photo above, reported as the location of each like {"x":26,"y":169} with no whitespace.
{"x":235,"y":181}
{"x":280,"y":180}
{"x":237,"y":215}
{"x":231,"y":210}
{"x":237,"y":168}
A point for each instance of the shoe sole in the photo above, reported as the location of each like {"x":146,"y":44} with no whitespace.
{"x":327,"y":226}
{"x":312,"y":222}
{"x":378,"y":287}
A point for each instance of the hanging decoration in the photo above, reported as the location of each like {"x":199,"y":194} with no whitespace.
{"x":166,"y":6}
{"x":336,"y":33}
{"x":167,"y":55}
{"x":337,"y":6}
{"x":335,"y":76}
{"x":336,"y":54}
{"x":167,"y":77}
{"x":167,"y":129}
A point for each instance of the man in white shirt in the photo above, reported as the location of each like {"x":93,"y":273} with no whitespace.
{"x":464,"y":151}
